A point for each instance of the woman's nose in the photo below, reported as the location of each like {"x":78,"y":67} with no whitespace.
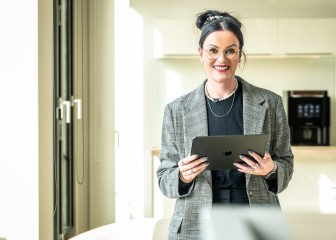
{"x":221,"y":58}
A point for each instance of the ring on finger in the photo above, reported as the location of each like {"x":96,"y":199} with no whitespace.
{"x":255,"y":167}
{"x":191,"y":171}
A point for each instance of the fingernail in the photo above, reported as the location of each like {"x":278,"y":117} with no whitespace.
{"x":205,"y":159}
{"x":241,"y":156}
{"x":235,"y":164}
{"x":250,"y":152}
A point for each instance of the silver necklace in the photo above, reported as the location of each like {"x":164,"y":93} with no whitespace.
{"x":220,"y":99}
{"x":217,"y":100}
{"x":219,"y":116}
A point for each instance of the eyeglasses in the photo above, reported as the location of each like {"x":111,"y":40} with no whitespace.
{"x":229,"y":54}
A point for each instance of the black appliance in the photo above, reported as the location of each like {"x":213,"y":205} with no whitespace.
{"x":309,"y":117}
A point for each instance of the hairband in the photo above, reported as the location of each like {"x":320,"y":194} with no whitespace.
{"x":211,"y":18}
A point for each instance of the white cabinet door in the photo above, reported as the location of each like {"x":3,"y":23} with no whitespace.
{"x":175,"y":38}
{"x":179,"y":37}
{"x":307,"y":36}
{"x":260,"y":36}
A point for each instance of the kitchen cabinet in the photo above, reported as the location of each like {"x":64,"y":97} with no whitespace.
{"x":260,"y":36}
{"x":179,"y":37}
{"x":175,"y":38}
{"x":307,"y":36}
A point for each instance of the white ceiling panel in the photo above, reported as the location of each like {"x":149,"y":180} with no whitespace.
{"x":241,"y":8}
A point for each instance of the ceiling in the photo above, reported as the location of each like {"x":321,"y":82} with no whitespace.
{"x":241,"y":8}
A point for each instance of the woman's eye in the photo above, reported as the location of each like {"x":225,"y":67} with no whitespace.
{"x":213,"y":50}
{"x":230,"y":51}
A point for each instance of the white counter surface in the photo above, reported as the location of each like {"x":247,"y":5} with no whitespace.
{"x":314,"y":153}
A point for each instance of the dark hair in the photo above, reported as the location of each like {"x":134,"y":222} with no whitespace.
{"x":212,"y":21}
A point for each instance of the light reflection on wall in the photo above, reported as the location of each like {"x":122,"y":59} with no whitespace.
{"x":172,"y":85}
{"x":327,"y":195}
{"x":157,"y":44}
{"x":129,"y":92}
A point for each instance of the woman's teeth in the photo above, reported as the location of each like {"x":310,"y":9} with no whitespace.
{"x":222,"y":68}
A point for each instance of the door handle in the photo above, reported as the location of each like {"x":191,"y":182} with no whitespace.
{"x":64,"y":109}
{"x":78,"y":104}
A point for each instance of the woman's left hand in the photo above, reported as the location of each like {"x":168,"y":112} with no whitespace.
{"x":263,"y":166}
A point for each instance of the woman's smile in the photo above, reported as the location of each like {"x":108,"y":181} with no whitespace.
{"x":221,"y":68}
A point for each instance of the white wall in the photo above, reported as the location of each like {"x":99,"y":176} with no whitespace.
{"x":101,"y":84}
{"x":245,"y":9}
{"x":18,"y":121}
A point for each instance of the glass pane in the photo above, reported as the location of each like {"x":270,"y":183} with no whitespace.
{"x":65,"y":93}
{"x":63,"y":195}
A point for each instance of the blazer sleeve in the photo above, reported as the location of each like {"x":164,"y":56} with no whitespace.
{"x":280,"y":148}
{"x":168,"y":170}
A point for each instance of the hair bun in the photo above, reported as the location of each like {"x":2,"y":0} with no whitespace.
{"x":212,"y":15}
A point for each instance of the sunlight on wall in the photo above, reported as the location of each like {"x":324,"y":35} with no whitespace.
{"x":163,"y":206}
{"x":172,"y":85}
{"x":129,"y":113}
{"x":327,"y":195}
{"x":157,"y":44}
{"x":18,"y":122}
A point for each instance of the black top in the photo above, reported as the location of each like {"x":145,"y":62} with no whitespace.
{"x":228,"y":186}
{"x":226,"y":118}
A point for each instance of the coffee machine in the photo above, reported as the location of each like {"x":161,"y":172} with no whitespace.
{"x":309,"y":117}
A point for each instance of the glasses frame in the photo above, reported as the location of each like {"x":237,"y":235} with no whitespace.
{"x":220,"y":52}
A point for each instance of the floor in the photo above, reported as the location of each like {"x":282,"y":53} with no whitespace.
{"x":313,"y":186}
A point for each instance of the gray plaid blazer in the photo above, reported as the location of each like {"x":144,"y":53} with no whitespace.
{"x":186,"y":118}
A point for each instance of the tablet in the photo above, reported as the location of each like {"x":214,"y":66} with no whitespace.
{"x":224,"y":150}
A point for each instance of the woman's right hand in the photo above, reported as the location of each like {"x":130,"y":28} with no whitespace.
{"x":191,"y":167}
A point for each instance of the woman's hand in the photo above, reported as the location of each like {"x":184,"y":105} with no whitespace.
{"x":263,"y":167}
{"x":191,"y":167}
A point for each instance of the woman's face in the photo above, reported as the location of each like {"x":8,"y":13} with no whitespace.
{"x":221,"y":69}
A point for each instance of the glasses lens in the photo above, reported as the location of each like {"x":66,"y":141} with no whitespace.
{"x":230,"y":54}
{"x":212,"y":54}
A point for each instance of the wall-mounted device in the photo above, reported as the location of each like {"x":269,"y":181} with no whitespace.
{"x":309,"y":117}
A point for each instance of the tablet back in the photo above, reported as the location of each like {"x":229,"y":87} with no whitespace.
{"x":224,"y":150}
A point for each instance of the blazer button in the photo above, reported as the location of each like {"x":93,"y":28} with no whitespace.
{"x":250,"y":193}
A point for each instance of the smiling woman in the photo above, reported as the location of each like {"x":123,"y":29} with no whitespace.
{"x":223,"y":104}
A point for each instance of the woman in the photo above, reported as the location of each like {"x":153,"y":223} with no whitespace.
{"x":224,"y":104}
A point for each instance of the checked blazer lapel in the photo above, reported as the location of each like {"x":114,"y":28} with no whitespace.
{"x":196,"y":121}
{"x":254,"y":111}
